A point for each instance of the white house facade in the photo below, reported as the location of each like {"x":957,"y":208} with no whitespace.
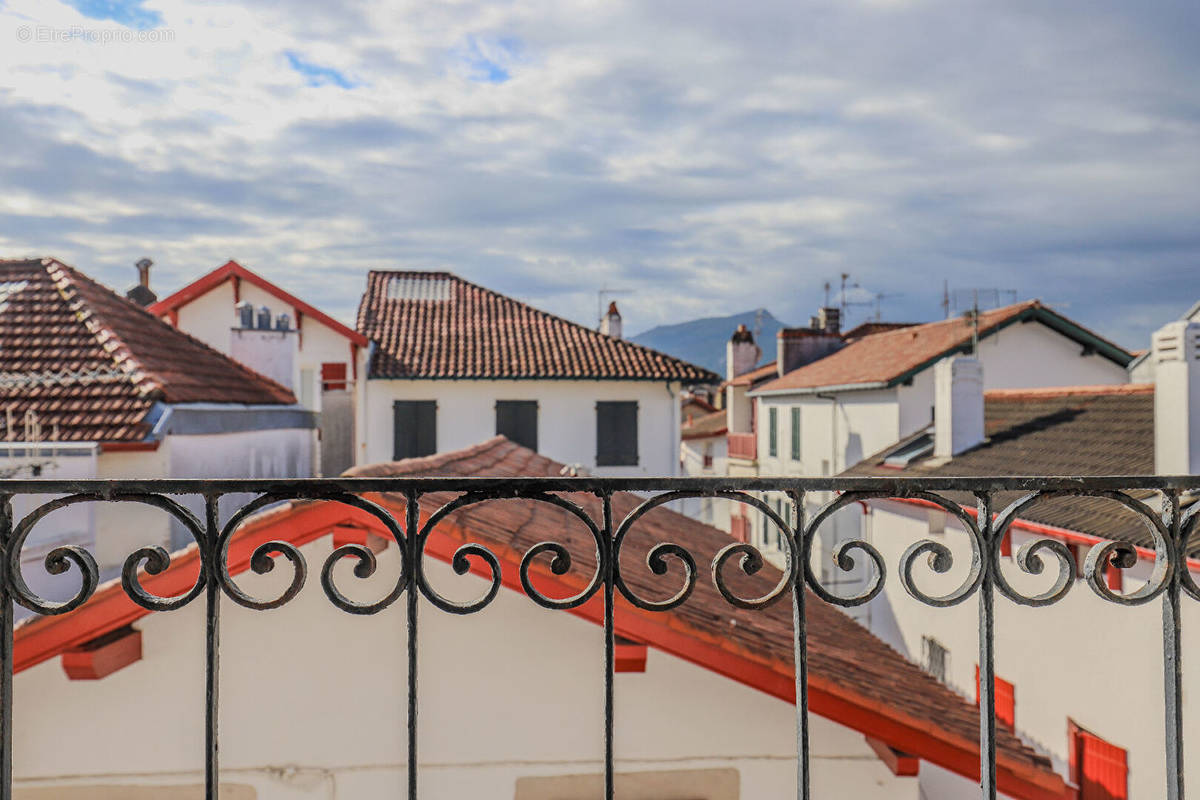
{"x":452,"y":364}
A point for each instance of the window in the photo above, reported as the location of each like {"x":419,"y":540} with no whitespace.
{"x":518,"y":419}
{"x":616,"y":434}
{"x":935,"y":658}
{"x":333,"y":377}
{"x":773,"y":431}
{"x":1006,"y":700}
{"x":708,"y":455}
{"x":795,"y":433}
{"x":414,"y":428}
{"x":1098,"y":768}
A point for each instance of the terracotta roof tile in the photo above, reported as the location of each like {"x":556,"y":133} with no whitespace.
{"x":889,"y":356}
{"x":840,"y":650}
{"x":437,"y":325}
{"x":91,"y":365}
{"x":712,"y":424}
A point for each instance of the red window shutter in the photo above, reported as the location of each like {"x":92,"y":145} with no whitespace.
{"x":1113,"y":577}
{"x":1006,"y":700}
{"x":1104,"y":770}
{"x":1006,"y":544}
{"x":333,"y":376}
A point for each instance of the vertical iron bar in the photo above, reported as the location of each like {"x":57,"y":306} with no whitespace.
{"x":412,"y":517}
{"x":6,"y":654}
{"x":987,"y":652}
{"x":609,"y":645}
{"x":1173,"y":647}
{"x":212,"y":643}
{"x":800,"y":643}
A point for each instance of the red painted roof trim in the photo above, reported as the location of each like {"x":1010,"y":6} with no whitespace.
{"x":129,"y":447}
{"x":231,"y":270}
{"x":901,"y":764}
{"x":110,"y":608}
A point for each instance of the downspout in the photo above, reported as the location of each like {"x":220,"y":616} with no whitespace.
{"x":833,"y":447}
{"x":675,"y":447}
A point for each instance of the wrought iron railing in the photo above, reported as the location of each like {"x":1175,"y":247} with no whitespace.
{"x":1167,"y":533}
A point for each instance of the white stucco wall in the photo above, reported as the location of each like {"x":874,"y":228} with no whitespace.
{"x":1097,"y":663}
{"x":210,"y":318}
{"x":466,"y":415}
{"x":313,"y":706}
{"x":709,"y":510}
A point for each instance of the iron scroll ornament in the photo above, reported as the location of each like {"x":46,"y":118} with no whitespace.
{"x":560,"y":564}
{"x":58,"y":561}
{"x":1120,"y":555}
{"x":265,"y":555}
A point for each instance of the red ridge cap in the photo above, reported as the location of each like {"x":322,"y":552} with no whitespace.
{"x":232,"y":269}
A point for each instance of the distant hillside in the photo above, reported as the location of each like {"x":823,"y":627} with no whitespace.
{"x":702,"y":341}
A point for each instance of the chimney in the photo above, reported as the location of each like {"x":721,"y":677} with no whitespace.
{"x":741,"y":353}
{"x":796,"y":347}
{"x":268,"y":349}
{"x":611,"y":324}
{"x":829,"y":319}
{"x":958,"y":405}
{"x":141,"y":294}
{"x":1176,"y":357}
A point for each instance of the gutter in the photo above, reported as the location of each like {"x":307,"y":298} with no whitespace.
{"x":819,"y":390}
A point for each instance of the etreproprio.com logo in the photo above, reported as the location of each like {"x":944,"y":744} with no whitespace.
{"x":48,"y":34}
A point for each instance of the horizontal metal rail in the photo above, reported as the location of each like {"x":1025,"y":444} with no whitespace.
{"x":1169,"y":527}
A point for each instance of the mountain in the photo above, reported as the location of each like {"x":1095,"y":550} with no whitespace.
{"x":702,"y":341}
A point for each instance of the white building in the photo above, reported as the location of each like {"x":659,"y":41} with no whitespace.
{"x":313,"y":700}
{"x":92,"y":386}
{"x":830,"y":404}
{"x":452,"y":364}
{"x":1087,"y":646}
{"x":703,"y":453}
{"x":275,"y":333}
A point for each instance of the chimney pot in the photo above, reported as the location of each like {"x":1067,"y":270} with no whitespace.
{"x":264,"y":318}
{"x":243,"y":315}
{"x":611,"y":324}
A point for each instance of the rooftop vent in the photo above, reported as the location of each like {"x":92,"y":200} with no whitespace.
{"x":244,"y":314}
{"x":264,"y":318}
{"x":416,"y":287}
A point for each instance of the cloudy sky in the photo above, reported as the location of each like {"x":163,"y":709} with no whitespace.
{"x":706,"y":157}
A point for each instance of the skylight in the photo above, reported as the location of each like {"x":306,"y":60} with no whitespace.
{"x":909,"y":452}
{"x":412,"y":287}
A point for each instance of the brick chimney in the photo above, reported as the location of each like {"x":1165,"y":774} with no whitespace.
{"x":611,"y":324}
{"x":741,"y":353}
{"x":141,"y":294}
{"x":958,"y":405}
{"x":1176,"y":357}
{"x":799,"y":346}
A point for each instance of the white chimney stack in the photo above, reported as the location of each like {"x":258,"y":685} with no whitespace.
{"x":1176,"y":355}
{"x":611,"y":324}
{"x":741,"y":353}
{"x":958,"y":405}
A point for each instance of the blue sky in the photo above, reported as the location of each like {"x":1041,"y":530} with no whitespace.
{"x":706,"y":157}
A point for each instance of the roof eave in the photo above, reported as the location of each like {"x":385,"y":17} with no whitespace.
{"x":810,"y":390}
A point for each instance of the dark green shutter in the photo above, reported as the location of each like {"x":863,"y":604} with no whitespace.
{"x":616,"y":434}
{"x":796,"y":433}
{"x":414,"y":428}
{"x":517,"y":420}
{"x":773,"y":432}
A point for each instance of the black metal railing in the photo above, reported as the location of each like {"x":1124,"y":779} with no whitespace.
{"x":1167,"y":531}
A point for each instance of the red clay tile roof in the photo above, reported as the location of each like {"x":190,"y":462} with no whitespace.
{"x":841,"y":652}
{"x":754,"y":376}
{"x":712,"y":424}
{"x":889,"y":357}
{"x":437,"y":325}
{"x":91,"y":364}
